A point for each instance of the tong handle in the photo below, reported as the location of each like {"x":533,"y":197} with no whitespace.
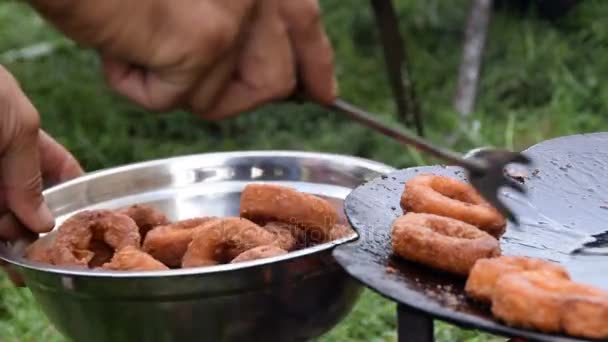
{"x":402,"y":136}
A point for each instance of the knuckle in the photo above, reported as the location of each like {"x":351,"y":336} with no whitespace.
{"x":33,"y":185}
{"x":308,"y":15}
{"x":272,"y":81}
{"x":311,"y":10}
{"x":217,"y":36}
{"x":30,"y":121}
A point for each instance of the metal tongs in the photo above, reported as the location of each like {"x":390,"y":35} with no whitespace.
{"x":485,"y":167}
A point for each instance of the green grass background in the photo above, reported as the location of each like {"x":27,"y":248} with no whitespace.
{"x":541,"y":79}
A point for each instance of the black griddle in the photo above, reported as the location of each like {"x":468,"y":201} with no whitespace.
{"x":563,"y":219}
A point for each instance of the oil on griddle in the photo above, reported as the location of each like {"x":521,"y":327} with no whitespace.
{"x":564,"y":219}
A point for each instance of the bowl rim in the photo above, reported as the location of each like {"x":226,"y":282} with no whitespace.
{"x":371,"y":165}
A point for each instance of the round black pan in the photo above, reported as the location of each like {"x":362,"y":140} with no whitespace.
{"x":564,"y":218}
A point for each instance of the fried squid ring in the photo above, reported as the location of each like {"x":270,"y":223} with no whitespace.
{"x":445,"y":196}
{"x":145,"y":217}
{"x":441,"y":242}
{"x":133,"y":259}
{"x":284,"y":238}
{"x":485,"y":273}
{"x":74,"y":236}
{"x":534,"y":300}
{"x":263,"y":203}
{"x":260,"y":252}
{"x":168,"y":243}
{"x":222,"y":240}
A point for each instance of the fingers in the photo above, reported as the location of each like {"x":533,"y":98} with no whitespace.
{"x":210,"y":87}
{"x":57,"y":164}
{"x":213,"y":75}
{"x":146,"y":88}
{"x":20,"y":174}
{"x":312,"y":48}
{"x":266,"y":68}
{"x":11,"y":229}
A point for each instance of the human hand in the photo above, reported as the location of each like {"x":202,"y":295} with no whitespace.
{"x":27,"y":156}
{"x":285,"y":45}
{"x":215,"y":58}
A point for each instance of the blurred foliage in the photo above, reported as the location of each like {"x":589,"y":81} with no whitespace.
{"x":541,"y":79}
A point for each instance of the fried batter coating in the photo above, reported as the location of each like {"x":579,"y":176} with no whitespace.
{"x":40,"y":250}
{"x":304,"y":238}
{"x":441,"y":242}
{"x":260,"y":252}
{"x":536,"y":300}
{"x":169,"y":243}
{"x":445,"y":196}
{"x":264,"y":202}
{"x":283,"y":234}
{"x":223,"y":240}
{"x":339,"y":231}
{"x":485,"y":273}
{"x":145,"y":217}
{"x":74,"y":236}
{"x":586,"y":316}
{"x":132,"y":259}
{"x":102,"y":253}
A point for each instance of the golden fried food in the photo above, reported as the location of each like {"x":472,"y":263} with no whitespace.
{"x":586,"y":316}
{"x":145,"y":217}
{"x":445,"y":196}
{"x":260,"y":252}
{"x":301,"y":236}
{"x":263,"y":203}
{"x":339,"y":231}
{"x":74,"y":236}
{"x":40,"y":250}
{"x":284,"y":238}
{"x":441,"y":242}
{"x":223,"y":240}
{"x":169,"y":243}
{"x":485,"y":273}
{"x":536,"y":300}
{"x":102,"y":253}
{"x":132,"y":259}
{"x":97,"y":239}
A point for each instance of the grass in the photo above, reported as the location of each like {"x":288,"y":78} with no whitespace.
{"x":541,"y":79}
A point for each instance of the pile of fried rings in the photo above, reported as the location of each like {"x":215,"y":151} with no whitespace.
{"x":274,"y":220}
{"x":448,"y":226}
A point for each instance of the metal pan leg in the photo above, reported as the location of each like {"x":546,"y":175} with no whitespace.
{"x":414,"y":326}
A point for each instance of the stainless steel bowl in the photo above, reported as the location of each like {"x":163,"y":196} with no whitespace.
{"x":288,"y":298}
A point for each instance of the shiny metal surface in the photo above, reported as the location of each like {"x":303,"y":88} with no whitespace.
{"x":287,"y":298}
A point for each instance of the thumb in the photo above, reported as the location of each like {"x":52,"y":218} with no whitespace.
{"x":20,"y":174}
{"x":56,"y":162}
